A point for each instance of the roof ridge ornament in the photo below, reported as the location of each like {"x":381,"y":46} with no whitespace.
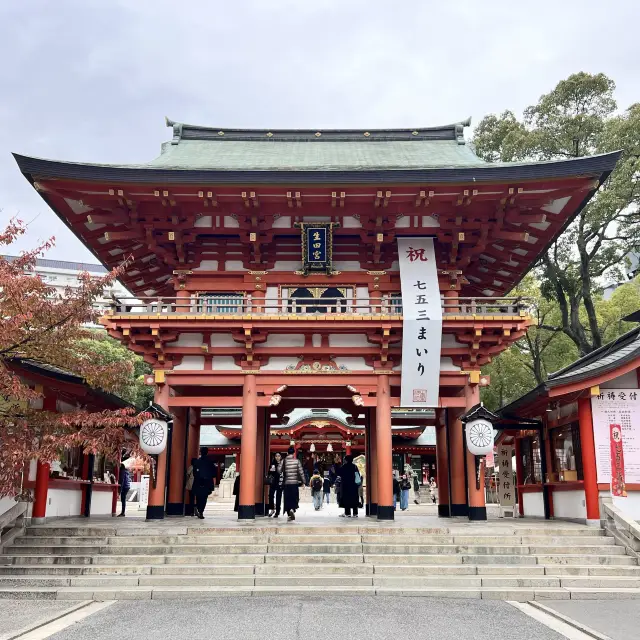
{"x":177,"y":130}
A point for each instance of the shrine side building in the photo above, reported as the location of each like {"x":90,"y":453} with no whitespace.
{"x":266,"y":276}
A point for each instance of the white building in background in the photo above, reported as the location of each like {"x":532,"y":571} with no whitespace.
{"x":61,"y":274}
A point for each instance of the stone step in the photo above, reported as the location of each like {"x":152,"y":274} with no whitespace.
{"x":521,"y":594}
{"x":330,"y":558}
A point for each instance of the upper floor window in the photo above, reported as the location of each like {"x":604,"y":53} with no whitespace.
{"x":213,"y":302}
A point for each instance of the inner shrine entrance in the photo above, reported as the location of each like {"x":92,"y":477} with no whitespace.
{"x":265,"y":399}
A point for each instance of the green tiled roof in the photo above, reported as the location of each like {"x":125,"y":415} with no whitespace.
{"x":195,"y":147}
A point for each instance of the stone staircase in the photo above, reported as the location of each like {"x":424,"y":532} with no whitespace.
{"x":143,"y":561}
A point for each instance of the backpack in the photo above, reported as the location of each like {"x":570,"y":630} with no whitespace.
{"x":358,"y":479}
{"x":317,"y":484}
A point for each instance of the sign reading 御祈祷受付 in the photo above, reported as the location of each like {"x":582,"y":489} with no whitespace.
{"x":617,"y":407}
{"x":422,"y":323}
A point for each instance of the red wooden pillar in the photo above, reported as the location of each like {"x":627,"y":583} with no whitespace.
{"x":248,"y":448}
{"x":384,"y":452}
{"x":157,"y":494}
{"x":589,"y":471}
{"x":175,"y":496}
{"x":459,"y":504}
{"x":260,"y":470}
{"x":41,"y":493}
{"x":442,"y":469}
{"x":348,"y":448}
{"x":477,"y":498}
{"x":519,"y":474}
{"x":372,"y":483}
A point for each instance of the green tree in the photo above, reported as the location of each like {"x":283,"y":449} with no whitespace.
{"x":107,"y":351}
{"x":578,"y":118}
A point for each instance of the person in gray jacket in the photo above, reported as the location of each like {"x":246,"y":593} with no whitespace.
{"x":293,"y":477}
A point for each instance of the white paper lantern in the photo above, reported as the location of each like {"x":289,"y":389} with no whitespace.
{"x":153,"y":436}
{"x":479,"y":437}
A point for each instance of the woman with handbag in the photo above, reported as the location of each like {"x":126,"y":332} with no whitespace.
{"x":293,"y":478}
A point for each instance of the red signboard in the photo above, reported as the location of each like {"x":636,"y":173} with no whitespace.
{"x":617,"y":461}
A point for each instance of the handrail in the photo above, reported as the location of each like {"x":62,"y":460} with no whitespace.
{"x":13,"y":519}
{"x":624,"y":529}
{"x":205,"y":304}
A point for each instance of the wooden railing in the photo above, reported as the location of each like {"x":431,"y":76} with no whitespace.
{"x":243,"y":305}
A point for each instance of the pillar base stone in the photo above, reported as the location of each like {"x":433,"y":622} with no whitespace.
{"x":155,"y":512}
{"x":444,"y":511}
{"x":259,"y":509}
{"x":247,"y":512}
{"x":385,"y":513}
{"x":175,"y":508}
{"x":459,"y":510}
{"x":477,"y":513}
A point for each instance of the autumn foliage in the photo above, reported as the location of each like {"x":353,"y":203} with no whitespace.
{"x":40,"y":325}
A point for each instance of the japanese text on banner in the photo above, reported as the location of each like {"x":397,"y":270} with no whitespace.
{"x":422,"y":323}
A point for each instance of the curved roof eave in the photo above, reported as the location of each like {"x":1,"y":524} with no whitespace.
{"x":39,"y":168}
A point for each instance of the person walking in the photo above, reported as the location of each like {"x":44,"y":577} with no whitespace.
{"x":125,"y":485}
{"x":317,"y":486}
{"x":326,"y":487}
{"x":405,"y":486}
{"x":203,"y":472}
{"x":350,"y":480}
{"x":433,"y":490}
{"x":396,"y":490}
{"x":416,"y":489}
{"x":293,"y":478}
{"x":338,"y":488}
{"x":275,"y":486}
{"x":189,"y":487}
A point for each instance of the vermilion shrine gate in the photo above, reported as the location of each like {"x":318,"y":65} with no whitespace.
{"x":230,"y":316}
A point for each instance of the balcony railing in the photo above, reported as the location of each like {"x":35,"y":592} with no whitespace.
{"x":198,"y":306}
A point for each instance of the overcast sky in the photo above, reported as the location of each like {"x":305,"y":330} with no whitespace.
{"x":91,"y":80}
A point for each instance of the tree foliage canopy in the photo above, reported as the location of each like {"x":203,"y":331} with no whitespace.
{"x":578,"y":117}
{"x":40,"y":325}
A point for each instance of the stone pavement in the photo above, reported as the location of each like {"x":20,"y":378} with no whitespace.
{"x":309,"y":617}
{"x":620,"y":620}
{"x":18,"y":614}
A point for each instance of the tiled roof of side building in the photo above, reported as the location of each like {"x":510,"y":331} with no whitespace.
{"x":606,"y":359}
{"x":64,"y":264}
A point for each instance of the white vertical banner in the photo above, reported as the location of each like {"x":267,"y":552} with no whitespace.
{"x":144,"y":492}
{"x":422,"y":323}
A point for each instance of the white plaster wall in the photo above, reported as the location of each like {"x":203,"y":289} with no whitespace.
{"x":446,"y":364}
{"x":449,"y":341}
{"x":570,"y":504}
{"x":347,"y":265}
{"x":348,"y":340}
{"x":63,"y":502}
{"x":533,"y":504}
{"x":191,"y":363}
{"x":204,"y":221}
{"x":402,"y":223}
{"x":187,"y":340}
{"x":627,"y":381}
{"x":33,"y":470}
{"x":284,"y":340}
{"x":349,"y":222}
{"x":278,"y":364}
{"x":353,"y":364}
{"x":230,"y":222}
{"x":101,"y":503}
{"x":271,"y":298}
{"x":362,"y":297}
{"x":65,"y":407}
{"x":6,"y":504}
{"x":283,"y":222}
{"x":234,"y":265}
{"x":37,"y":403}
{"x":207,"y":265}
{"x":287,"y":265}
{"x":629,"y":505}
{"x":316,"y":340}
{"x":428,"y":221}
{"x":224,"y":363}
{"x":316,"y":219}
{"x":222,"y":340}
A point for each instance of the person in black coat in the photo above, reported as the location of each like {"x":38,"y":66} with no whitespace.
{"x":236,"y":493}
{"x":203,"y":483}
{"x":349,"y":499}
